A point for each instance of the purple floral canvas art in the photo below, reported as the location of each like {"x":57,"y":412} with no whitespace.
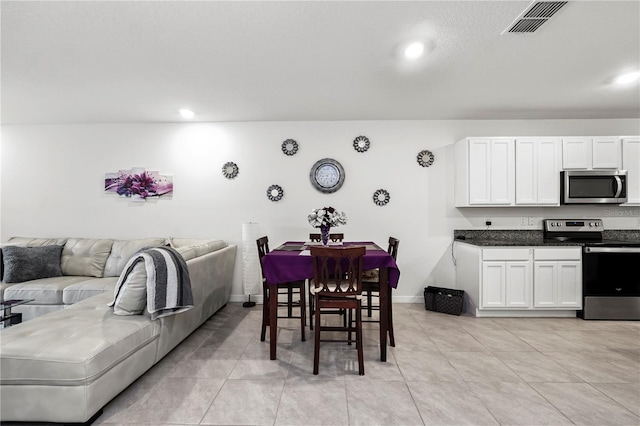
{"x":139,"y":184}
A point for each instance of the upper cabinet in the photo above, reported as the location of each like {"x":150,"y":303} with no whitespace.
{"x":631,"y":163}
{"x":538,"y":163}
{"x":485,"y":172}
{"x":584,"y":153}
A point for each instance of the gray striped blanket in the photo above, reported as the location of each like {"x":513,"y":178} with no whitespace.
{"x":168,"y":282}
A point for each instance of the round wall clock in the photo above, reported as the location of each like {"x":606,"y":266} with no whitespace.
{"x":327,"y":175}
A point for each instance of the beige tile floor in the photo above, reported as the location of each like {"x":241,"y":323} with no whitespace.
{"x":444,"y":370}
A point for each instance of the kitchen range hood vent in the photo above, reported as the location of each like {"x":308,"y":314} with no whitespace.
{"x":534,"y":16}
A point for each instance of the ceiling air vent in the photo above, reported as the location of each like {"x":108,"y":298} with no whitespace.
{"x":534,"y":16}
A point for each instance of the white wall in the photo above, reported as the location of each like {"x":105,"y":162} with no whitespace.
{"x":52,"y":183}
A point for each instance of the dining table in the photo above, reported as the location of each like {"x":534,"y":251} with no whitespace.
{"x":292,"y":261}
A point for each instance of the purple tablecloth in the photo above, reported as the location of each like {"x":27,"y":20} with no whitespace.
{"x":281,"y":266}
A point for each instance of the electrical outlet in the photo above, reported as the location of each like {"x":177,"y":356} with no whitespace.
{"x":531,"y":221}
{"x":487,"y":222}
{"x":523,"y":221}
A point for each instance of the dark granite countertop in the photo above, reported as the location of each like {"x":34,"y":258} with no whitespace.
{"x":518,"y":237}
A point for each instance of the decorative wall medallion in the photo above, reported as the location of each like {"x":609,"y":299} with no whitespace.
{"x":425,"y":158}
{"x":139,"y":184}
{"x":275,"y":193}
{"x":289,"y":147}
{"x":381,"y":197}
{"x":327,"y":175}
{"x":230,"y":170}
{"x":361,"y":143}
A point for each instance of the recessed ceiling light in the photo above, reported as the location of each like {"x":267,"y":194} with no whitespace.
{"x":186,"y":113}
{"x":414,"y":50}
{"x":628,"y":78}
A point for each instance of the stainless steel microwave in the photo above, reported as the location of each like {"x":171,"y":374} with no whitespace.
{"x":594,"y":187}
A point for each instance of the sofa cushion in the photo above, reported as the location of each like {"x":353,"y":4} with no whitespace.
{"x":132,"y":297}
{"x":86,"y":257}
{"x":73,"y":346}
{"x":87,"y":288}
{"x":200,"y":246}
{"x":30,"y":263}
{"x":45,"y":291}
{"x":123,"y":250}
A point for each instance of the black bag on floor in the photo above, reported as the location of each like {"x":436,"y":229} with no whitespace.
{"x":445,"y":300}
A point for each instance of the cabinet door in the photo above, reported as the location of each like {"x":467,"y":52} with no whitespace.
{"x":526,"y":172}
{"x":544,"y":284}
{"x":548,"y":169}
{"x":576,"y":153}
{"x":569,"y":284}
{"x":537,"y":171}
{"x":479,"y":177}
{"x":501,"y":167}
{"x":631,"y":163}
{"x":493,"y":284}
{"x":606,"y":153}
{"x":518,"y":284}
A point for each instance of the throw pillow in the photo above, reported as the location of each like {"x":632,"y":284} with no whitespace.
{"x":31,"y":263}
{"x":131,"y":297}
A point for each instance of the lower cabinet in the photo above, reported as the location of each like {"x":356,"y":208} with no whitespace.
{"x":506,"y":284}
{"x":519,"y":279}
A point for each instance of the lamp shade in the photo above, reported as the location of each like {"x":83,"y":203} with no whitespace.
{"x":251,"y":272}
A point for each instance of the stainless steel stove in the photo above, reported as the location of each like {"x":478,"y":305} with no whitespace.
{"x":610,"y":271}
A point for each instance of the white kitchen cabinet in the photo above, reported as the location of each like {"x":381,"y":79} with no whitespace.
{"x":557,"y":278}
{"x":485,"y":172}
{"x":631,"y":163}
{"x":506,"y":278}
{"x":537,"y":171}
{"x":586,"y":153}
{"x":519,"y":281}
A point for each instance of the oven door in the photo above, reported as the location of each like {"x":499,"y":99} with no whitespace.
{"x":611,"y":283}
{"x":594,"y":187}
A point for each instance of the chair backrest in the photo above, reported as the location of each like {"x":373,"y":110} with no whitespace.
{"x":333,"y":237}
{"x":337,"y":271}
{"x":393,"y":247}
{"x":263,"y":248}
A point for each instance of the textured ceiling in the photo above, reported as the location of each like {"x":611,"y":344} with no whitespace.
{"x":112,"y":61}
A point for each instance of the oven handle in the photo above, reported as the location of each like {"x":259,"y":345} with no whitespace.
{"x":619,"y":186}
{"x":612,"y":250}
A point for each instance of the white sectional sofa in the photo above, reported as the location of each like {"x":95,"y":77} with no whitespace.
{"x":72,"y":354}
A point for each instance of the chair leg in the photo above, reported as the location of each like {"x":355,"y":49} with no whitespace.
{"x":303,"y":310}
{"x":290,"y":302}
{"x":316,"y":348}
{"x":311,"y":309}
{"x":350,"y":313}
{"x":265,"y":311}
{"x":369,"y":301}
{"x":392,"y":340}
{"x":359,"y":341}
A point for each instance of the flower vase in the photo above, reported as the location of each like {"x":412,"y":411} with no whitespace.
{"x":324,"y":234}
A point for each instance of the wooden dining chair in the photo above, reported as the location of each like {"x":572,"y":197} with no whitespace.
{"x":371,"y":289}
{"x":316,"y":238}
{"x":334,"y":238}
{"x":337,"y":284}
{"x":288,"y":289}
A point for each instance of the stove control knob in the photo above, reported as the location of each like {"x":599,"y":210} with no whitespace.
{"x":553,"y":224}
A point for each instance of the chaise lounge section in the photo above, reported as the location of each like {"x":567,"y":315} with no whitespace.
{"x":67,"y":363}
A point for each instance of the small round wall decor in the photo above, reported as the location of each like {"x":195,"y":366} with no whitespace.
{"x":275,"y":193}
{"x":425,"y":158}
{"x":361,"y":143}
{"x":381,"y":197}
{"x":289,"y":147}
{"x":230,"y":170}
